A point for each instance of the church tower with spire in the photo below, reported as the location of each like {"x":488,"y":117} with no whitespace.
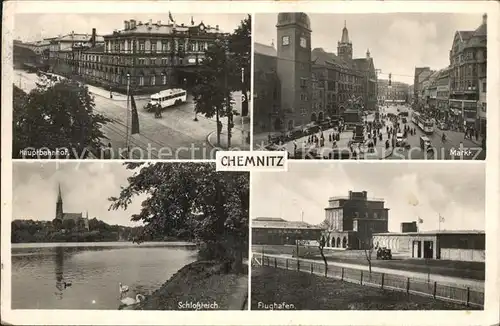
{"x":344,"y":47}
{"x":59,"y":205}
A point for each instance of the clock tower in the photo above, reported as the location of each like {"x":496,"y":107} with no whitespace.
{"x":294,"y":67}
{"x":344,"y":47}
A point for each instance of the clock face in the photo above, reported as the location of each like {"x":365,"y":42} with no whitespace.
{"x":286,"y":40}
{"x":202,"y":27}
{"x":303,"y":42}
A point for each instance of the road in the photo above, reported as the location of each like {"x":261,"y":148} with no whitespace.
{"x":174,"y":136}
{"x":443,"y":150}
{"x":442,"y":279}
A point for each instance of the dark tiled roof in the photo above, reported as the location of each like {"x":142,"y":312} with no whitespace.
{"x":320,"y":57}
{"x":265,"y":49}
{"x":72,"y":216}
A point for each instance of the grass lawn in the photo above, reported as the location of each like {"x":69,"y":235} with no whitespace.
{"x":311,"y":292}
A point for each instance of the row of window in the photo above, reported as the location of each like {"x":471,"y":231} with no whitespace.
{"x":155,"y":46}
{"x":121,"y":79}
{"x":470,"y":54}
{"x":338,"y":76}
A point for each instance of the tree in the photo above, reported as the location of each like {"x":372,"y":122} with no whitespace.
{"x":220,"y":74}
{"x":368,"y":254}
{"x":68,"y":224}
{"x":327,"y":226}
{"x":60,"y":116}
{"x":57,"y":223}
{"x":192,"y":199}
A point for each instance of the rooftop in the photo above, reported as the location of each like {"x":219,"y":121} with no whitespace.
{"x":279,"y":223}
{"x":434,"y":232}
{"x":264,"y":49}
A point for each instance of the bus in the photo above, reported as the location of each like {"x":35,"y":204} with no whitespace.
{"x":423,"y":123}
{"x":168,"y":98}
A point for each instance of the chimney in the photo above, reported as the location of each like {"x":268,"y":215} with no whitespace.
{"x":94,"y":36}
{"x":126,"y":24}
{"x":350,"y":194}
{"x":132,"y":24}
{"x":485,"y":17}
{"x":217,"y":27}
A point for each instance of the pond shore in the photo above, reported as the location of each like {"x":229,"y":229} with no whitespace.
{"x":201,"y":285}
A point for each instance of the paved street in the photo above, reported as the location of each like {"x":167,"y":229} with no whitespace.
{"x":444,"y":150}
{"x":380,"y":151}
{"x":174,"y":136}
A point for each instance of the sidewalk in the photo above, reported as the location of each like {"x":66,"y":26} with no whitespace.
{"x":116,"y":96}
{"x":236,"y":139}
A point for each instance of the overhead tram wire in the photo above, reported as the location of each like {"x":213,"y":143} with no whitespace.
{"x":350,"y":69}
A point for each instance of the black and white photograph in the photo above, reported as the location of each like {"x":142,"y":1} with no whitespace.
{"x":371,"y":86}
{"x":135,"y":236}
{"x":373,"y":236}
{"x":125,"y":86}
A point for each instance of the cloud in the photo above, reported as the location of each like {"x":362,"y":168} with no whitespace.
{"x":398,"y":42}
{"x":85,"y":187}
{"x":409,"y":190}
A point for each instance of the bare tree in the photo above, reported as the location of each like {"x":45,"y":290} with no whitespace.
{"x":327,"y":226}
{"x":368,"y":254}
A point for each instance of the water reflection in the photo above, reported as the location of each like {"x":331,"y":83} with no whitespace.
{"x":61,"y":282}
{"x":87,"y":277}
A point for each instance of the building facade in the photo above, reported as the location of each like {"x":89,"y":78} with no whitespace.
{"x":442,"y":93}
{"x":81,"y":223}
{"x":421,"y":74}
{"x":352,"y":220}
{"x":151,"y":56}
{"x":397,"y":92}
{"x":468,"y":57}
{"x":445,"y":245}
{"x":312,"y":84}
{"x":277,"y":231}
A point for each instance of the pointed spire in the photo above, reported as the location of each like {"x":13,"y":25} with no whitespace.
{"x":59,"y":195}
{"x":345,"y":34}
{"x":368,"y":53}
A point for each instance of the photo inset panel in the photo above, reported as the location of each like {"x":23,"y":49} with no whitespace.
{"x":117,"y":86}
{"x":371,"y":86}
{"x":136,"y":236}
{"x":369,"y":237}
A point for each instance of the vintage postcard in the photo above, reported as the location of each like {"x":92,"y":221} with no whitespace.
{"x":154,"y":86}
{"x":371,"y":86}
{"x":224,"y":163}
{"x":369,"y":237}
{"x":99,"y":236}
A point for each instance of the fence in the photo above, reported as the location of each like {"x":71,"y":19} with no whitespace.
{"x":457,"y":294}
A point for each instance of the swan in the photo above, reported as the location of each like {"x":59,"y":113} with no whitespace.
{"x":128,"y":301}
{"x":123,"y":288}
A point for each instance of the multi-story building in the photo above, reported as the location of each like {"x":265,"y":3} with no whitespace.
{"x":313,"y":85}
{"x":421,"y":74}
{"x":353,"y":219}
{"x":397,"y":92}
{"x":277,"y":231}
{"x":61,"y":50}
{"x":443,"y":93}
{"x":481,"y":107}
{"x":151,"y":56}
{"x":468,"y":57}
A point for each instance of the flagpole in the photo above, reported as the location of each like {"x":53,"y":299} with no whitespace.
{"x":128,"y":111}
{"x":243,"y":94}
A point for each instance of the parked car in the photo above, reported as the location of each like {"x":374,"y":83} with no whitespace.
{"x":384,"y":253}
{"x":399,"y":139}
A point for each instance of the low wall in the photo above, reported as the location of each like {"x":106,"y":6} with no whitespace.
{"x":462,"y":254}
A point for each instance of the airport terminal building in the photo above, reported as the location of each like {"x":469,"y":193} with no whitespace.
{"x":445,"y":245}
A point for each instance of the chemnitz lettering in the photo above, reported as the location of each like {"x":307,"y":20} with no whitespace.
{"x":253,"y":161}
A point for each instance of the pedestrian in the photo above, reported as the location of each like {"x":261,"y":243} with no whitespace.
{"x":294,"y":147}
{"x":375,"y":141}
{"x":477,"y":135}
{"x":330,"y":137}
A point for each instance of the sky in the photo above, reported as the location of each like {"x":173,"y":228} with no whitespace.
{"x":398,"y":42}
{"x":456,"y":191}
{"x":31,"y":27}
{"x":84,"y":186}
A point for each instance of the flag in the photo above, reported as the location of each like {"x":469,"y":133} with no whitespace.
{"x":135,"y":116}
{"x":441,"y":219}
{"x":170,"y":17}
{"x":192,"y":21}
{"x":420,"y":221}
